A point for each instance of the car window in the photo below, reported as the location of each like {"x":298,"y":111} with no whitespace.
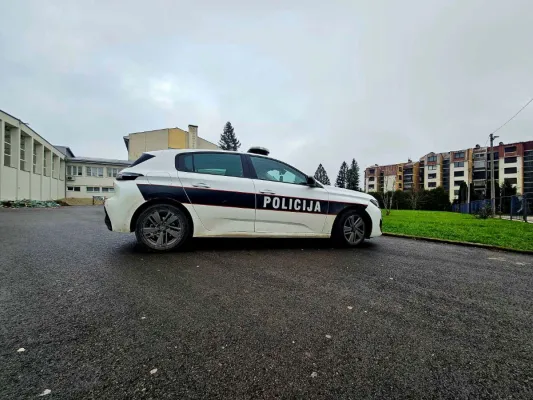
{"x":144,"y":157}
{"x":212,"y":163}
{"x":272,"y":170}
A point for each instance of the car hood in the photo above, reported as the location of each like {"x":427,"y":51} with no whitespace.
{"x":339,"y":194}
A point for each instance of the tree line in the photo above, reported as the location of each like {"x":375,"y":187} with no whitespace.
{"x":347,"y":178}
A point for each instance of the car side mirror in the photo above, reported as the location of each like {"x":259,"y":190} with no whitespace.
{"x":311,"y":181}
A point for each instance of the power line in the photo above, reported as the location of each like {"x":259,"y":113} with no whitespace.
{"x":510,"y":119}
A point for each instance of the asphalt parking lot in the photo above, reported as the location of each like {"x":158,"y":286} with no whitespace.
{"x":98,"y":318}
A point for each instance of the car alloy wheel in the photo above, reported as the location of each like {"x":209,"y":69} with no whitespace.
{"x":162,"y":227}
{"x":351,"y":230}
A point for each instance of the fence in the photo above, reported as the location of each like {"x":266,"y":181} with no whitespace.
{"x":519,"y":207}
{"x":516,"y":207}
{"x":470,"y":208}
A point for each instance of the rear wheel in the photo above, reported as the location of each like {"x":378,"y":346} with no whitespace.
{"x":350,"y":230}
{"x":162,"y":227}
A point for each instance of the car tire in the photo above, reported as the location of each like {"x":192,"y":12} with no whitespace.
{"x":350,"y":230}
{"x":162,"y":227}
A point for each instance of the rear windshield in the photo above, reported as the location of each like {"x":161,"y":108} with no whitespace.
{"x":144,"y":157}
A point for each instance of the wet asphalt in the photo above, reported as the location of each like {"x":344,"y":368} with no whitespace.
{"x":100,"y":319}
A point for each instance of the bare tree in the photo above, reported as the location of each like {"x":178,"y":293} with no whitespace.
{"x":388,"y":195}
{"x":415,"y":197}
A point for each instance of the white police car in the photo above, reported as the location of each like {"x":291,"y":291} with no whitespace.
{"x":168,"y":196}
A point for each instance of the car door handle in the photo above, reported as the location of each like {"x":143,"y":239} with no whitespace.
{"x":201,"y":185}
{"x":266,"y":191}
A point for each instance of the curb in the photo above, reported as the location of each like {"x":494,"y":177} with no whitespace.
{"x":457,"y":242}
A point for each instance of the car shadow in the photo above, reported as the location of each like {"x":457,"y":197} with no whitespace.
{"x":246,"y":244}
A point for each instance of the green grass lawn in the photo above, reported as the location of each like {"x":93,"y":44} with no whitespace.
{"x":461,"y":227}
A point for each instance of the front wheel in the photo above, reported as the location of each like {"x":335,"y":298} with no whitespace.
{"x":350,"y":230}
{"x":162,"y":227}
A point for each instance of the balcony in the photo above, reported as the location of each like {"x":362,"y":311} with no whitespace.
{"x":480,"y":164}
{"x":479,"y":183}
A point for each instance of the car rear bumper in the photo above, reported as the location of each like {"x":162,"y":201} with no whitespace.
{"x":107,"y":220}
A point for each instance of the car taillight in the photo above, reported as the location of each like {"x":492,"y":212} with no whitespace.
{"x":128,"y":176}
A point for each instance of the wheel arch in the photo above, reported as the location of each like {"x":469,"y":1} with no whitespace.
{"x":361,"y":210}
{"x":161,"y":200}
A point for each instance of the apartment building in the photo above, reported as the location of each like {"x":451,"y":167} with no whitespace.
{"x":161,"y":139}
{"x":30,"y":167}
{"x":87,"y":177}
{"x":411,"y":175}
{"x":384,"y":178}
{"x":512,"y":162}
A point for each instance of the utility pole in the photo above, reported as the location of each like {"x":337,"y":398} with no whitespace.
{"x":492,"y":188}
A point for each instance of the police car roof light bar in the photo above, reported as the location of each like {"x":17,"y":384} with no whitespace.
{"x":259,"y":150}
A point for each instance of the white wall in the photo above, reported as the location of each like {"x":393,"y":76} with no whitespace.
{"x":17,"y":184}
{"x":389,"y":182}
{"x":35,"y":186}
{"x":9,"y":183}
{"x":24,"y":185}
{"x":437,"y":179}
{"x":519,"y":173}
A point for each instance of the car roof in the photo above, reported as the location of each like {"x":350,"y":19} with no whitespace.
{"x":181,"y":151}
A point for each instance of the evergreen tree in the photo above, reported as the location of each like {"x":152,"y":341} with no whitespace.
{"x":321,"y":175}
{"x":342,"y":175}
{"x":228,"y":140}
{"x":352,"y":177}
{"x":463,"y":192}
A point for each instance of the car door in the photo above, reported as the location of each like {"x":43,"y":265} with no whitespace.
{"x":284,"y":201}
{"x":215,"y":183}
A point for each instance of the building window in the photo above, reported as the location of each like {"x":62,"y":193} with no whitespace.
{"x":95,"y":171}
{"x":432,"y":167}
{"x":432,"y":176}
{"x":400,"y":185}
{"x":108,"y":189}
{"x":457,"y":183}
{"x":511,"y":170}
{"x":74,"y":170}
{"x":459,"y":164}
{"x":73,"y":188}
{"x":112,"y":172}
{"x":459,"y":154}
{"x":510,"y":149}
{"x":53,"y":166}
{"x":432,"y":158}
{"x":7,"y":149}
{"x":23,"y":152}
{"x":456,"y":192}
{"x":93,"y":189}
{"x":432,"y":184}
{"x":371,"y":179}
{"x":458,"y":173}
{"x":45,"y":163}
{"x":512,"y":181}
{"x":399,"y":177}
{"x":509,"y":160}
{"x":34,"y":158}
{"x":370,"y":187}
{"x":371,"y":171}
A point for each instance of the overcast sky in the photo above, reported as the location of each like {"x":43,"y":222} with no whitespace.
{"x":314,"y":81}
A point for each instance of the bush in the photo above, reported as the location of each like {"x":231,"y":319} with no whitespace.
{"x":484,"y":212}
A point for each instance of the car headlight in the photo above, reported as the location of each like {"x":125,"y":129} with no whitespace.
{"x":375,"y":202}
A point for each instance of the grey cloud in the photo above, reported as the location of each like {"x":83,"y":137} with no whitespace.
{"x":377,"y":81}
